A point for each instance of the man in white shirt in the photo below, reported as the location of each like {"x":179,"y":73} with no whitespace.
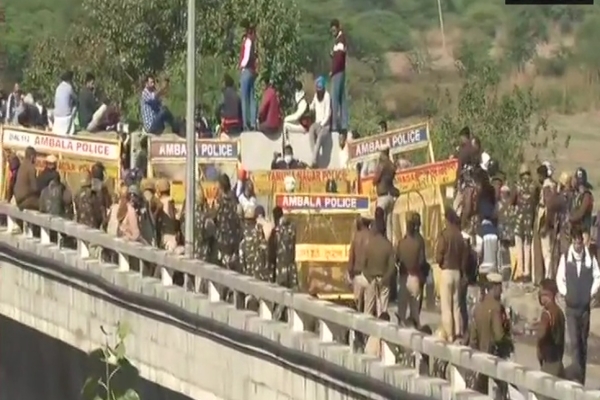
{"x":578,"y":280}
{"x":64,"y":106}
{"x":299,"y":120}
{"x":321,"y":105}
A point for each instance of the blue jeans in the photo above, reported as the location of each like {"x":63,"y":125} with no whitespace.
{"x":163,"y":117}
{"x":248,"y":98}
{"x":339,"y":104}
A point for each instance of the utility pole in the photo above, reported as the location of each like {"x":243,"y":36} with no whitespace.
{"x":441,"y":17}
{"x":191,"y":167}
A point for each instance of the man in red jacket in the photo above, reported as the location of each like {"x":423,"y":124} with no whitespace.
{"x":339,"y":105}
{"x":248,"y":76}
{"x":269,"y":115}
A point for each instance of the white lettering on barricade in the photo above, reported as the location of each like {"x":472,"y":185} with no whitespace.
{"x":397,"y":141}
{"x":322,"y":202}
{"x":207,"y":150}
{"x":48,"y":143}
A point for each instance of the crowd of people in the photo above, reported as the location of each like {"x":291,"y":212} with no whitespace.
{"x":234,"y":232}
{"x":490,"y":221}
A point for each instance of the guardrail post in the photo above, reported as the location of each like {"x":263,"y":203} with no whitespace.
{"x":83,"y":249}
{"x":325,"y":332}
{"x":213,"y":293}
{"x":45,"y":236}
{"x":295,"y":320}
{"x":457,"y":381}
{"x":166,"y":277}
{"x":123,"y":262}
{"x":11,"y":224}
{"x":264,"y":311}
{"x":387,"y":354}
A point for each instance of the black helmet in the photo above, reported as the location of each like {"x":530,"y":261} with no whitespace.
{"x":581,"y":176}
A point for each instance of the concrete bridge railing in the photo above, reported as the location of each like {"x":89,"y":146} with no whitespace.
{"x":301,"y":310}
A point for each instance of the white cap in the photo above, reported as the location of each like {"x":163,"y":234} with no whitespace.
{"x":494,"y":277}
{"x":485,"y":160}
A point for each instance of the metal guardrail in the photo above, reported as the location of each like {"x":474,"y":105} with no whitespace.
{"x":461,"y":361}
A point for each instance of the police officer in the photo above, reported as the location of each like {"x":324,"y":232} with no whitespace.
{"x":581,"y":216}
{"x":384,"y":186}
{"x":490,"y":329}
{"x":253,"y":248}
{"x":525,"y":201}
{"x":550,"y":330}
{"x":565,"y":200}
{"x":204,"y":227}
{"x":228,"y":224}
{"x":167,"y":223}
{"x":285,"y":252}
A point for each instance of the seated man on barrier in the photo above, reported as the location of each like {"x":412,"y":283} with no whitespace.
{"x":299,"y":121}
{"x":230,"y":110}
{"x":269,"y":114}
{"x":153,"y":111}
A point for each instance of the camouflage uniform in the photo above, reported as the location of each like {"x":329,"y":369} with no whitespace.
{"x":55,"y":200}
{"x":205,"y":231}
{"x":228,"y":230}
{"x":506,"y":221}
{"x":253,"y":249}
{"x":524,"y":219}
{"x":285,"y":264}
{"x":88,"y":210}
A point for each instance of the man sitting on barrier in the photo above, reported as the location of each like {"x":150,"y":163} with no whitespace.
{"x":288,"y":161}
{"x":229,"y":112}
{"x":300,"y":120}
{"x":154,"y":113}
{"x":47,"y":174}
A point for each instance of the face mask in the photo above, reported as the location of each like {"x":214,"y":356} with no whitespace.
{"x":287,"y":158}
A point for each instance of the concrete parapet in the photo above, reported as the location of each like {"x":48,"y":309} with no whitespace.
{"x":175,"y":341}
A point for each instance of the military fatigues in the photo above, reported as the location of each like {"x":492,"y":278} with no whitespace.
{"x":253,"y":252}
{"x":285,"y":257}
{"x":524,"y":219}
{"x":564,"y":228}
{"x":205,"y":230}
{"x":229,"y":231}
{"x":88,"y":211}
{"x":56,"y":199}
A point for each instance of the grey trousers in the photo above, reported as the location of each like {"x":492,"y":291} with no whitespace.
{"x":387,"y":204}
{"x":317,"y":134}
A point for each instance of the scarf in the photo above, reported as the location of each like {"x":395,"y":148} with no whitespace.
{"x":585,"y":258}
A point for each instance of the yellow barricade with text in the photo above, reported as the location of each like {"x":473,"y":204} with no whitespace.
{"x":76,"y":154}
{"x":167,"y":157}
{"x":325,"y":225}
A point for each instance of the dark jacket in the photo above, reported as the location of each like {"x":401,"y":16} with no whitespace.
{"x":452,"y":252}
{"x":379,"y":259}
{"x":410,"y":253}
{"x":45,"y":177}
{"x":26,"y":187}
{"x":231,"y":108}
{"x":87,"y":107}
{"x":281,"y":164}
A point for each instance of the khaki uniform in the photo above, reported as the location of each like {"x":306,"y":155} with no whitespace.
{"x":551,"y":340}
{"x":357,"y":251}
{"x":490,"y":333}
{"x":452,"y":254}
{"x":410,"y":253}
{"x":378,"y":266}
{"x":26,"y":190}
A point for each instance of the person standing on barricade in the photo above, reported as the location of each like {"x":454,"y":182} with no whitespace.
{"x":228,"y":225}
{"x":387,"y":193}
{"x":65,"y":105}
{"x":578,"y":280}
{"x":378,"y":267}
{"x":525,"y":201}
{"x":490,"y":331}
{"x":204,"y":227}
{"x":414,"y":269}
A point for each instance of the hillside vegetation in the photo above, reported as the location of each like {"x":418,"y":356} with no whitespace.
{"x":402,"y":66}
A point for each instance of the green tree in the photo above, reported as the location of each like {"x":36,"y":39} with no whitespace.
{"x":526,"y":27}
{"x":508,"y":124}
{"x":587,"y":38}
{"x":122,"y":41}
{"x":113,"y":377}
